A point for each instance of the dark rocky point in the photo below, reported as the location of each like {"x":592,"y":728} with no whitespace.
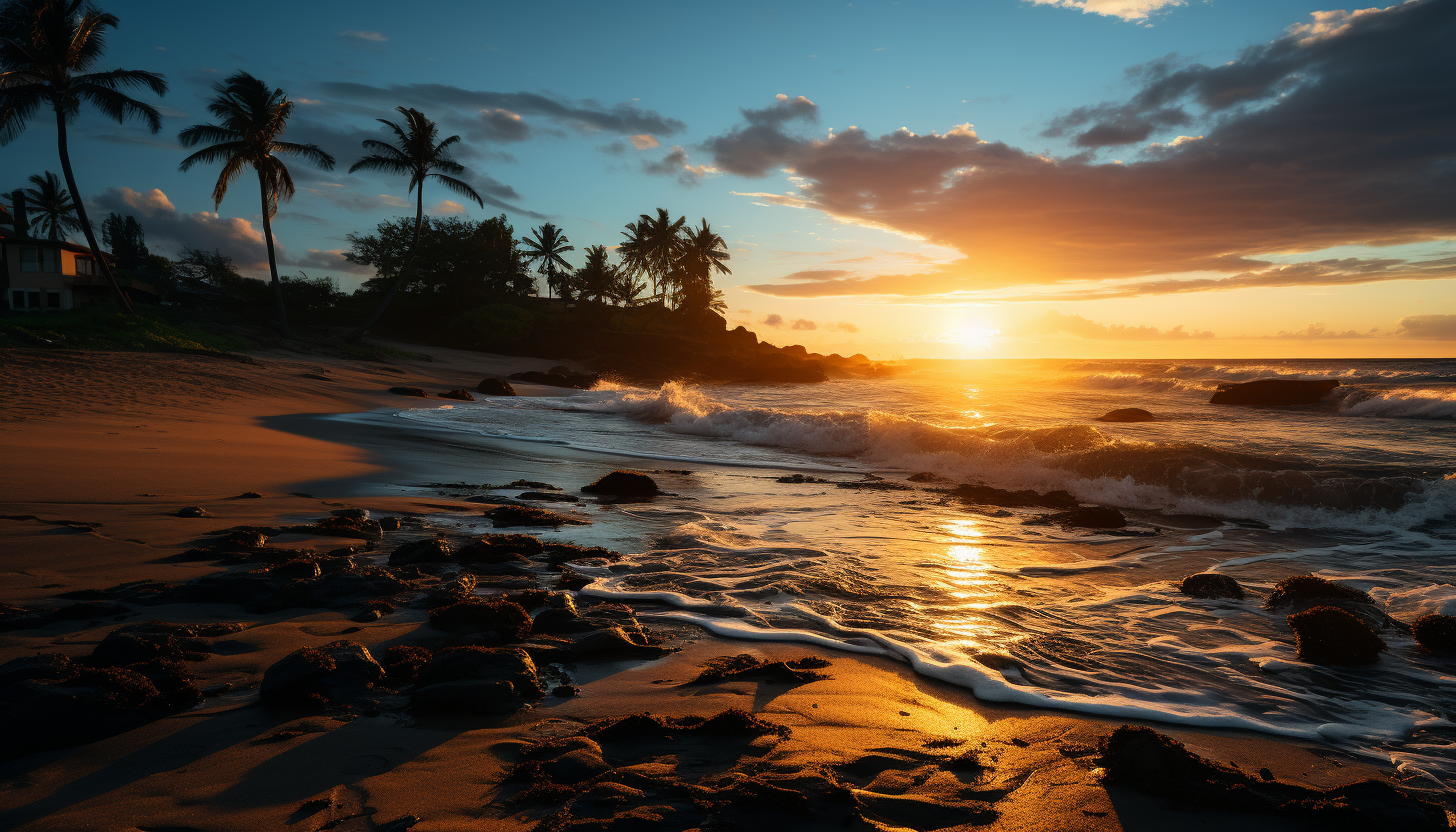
{"x":1211,"y":585}
{"x":495,"y":387}
{"x":1330,"y":635}
{"x":1437,"y":633}
{"x":629,"y":484}
{"x":1127,"y":414}
{"x":1274,"y":392}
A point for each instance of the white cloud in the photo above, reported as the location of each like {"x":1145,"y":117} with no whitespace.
{"x":1125,"y":9}
{"x":368,"y":37}
{"x":644,"y":141}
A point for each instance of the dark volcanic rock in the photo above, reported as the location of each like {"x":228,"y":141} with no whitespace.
{"x":745,"y":667}
{"x":430,"y":550}
{"x":344,"y":526}
{"x":1090,"y":517}
{"x":1143,"y":759}
{"x":512,"y":515}
{"x":1211,"y":585}
{"x":193,"y":511}
{"x":403,"y":662}
{"x":313,"y":677}
{"x":499,"y":548}
{"x":801,"y":479}
{"x":500,"y":622}
{"x":547,"y":497}
{"x":606,"y":644}
{"x":477,"y":680}
{"x":1274,"y":392}
{"x":987,"y":496}
{"x":1306,"y":589}
{"x":409,"y":391}
{"x":558,"y":377}
{"x":495,"y":387}
{"x":459,"y":394}
{"x":1330,"y":635}
{"x":630,"y":484}
{"x":1127,"y":414}
{"x":1437,"y":633}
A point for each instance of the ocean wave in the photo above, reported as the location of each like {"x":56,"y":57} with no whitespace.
{"x":1161,"y":377}
{"x":1095,"y":466}
{"x":1423,"y":403}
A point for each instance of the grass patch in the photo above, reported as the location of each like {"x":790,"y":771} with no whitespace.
{"x":100,"y":328}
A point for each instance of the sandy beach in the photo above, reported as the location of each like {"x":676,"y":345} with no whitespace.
{"x":101,"y":451}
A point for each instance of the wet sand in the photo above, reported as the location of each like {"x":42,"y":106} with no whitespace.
{"x":123,"y":441}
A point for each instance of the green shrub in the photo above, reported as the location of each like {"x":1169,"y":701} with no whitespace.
{"x":491,"y":327}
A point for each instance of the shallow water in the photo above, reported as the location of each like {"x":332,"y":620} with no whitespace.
{"x":1358,"y":489}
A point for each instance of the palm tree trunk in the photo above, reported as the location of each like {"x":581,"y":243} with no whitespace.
{"x":81,"y":211}
{"x":272,"y":259}
{"x":403,"y":269}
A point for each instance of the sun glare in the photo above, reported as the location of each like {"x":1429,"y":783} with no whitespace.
{"x":973,"y":336}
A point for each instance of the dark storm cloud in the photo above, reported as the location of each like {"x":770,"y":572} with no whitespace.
{"x":1352,"y":142}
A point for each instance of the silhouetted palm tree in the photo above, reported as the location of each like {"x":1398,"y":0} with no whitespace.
{"x":419,"y":157}
{"x":544,"y":248}
{"x":46,"y":48}
{"x":703,"y":252}
{"x":55,"y":213}
{"x":253,"y":117}
{"x":597,"y":278}
{"x":660,"y":238}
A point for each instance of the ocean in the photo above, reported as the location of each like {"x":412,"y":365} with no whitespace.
{"x":1360,"y":489}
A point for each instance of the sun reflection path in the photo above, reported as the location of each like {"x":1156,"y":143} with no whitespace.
{"x":968,"y":581}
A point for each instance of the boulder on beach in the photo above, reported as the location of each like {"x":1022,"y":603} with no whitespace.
{"x":629,"y":484}
{"x":1127,"y":414}
{"x":409,"y":391}
{"x":1211,"y":585}
{"x":313,"y":677}
{"x":459,"y":394}
{"x":193,"y":511}
{"x":495,"y":387}
{"x":1330,"y":635}
{"x":1437,"y":633}
{"x":1274,"y":392}
{"x":430,"y":550}
{"x":558,"y":377}
{"x":477,"y":680}
{"x":507,"y":516}
{"x":498,"y":622}
{"x":499,"y":548}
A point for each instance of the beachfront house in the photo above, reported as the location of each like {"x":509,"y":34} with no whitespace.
{"x":41,"y":275}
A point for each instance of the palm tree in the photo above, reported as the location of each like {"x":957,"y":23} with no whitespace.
{"x":46,"y":48}
{"x":596,"y":278}
{"x":55,"y":212}
{"x":544,"y":249}
{"x":660,"y":239}
{"x":418,"y":156}
{"x":253,"y":117}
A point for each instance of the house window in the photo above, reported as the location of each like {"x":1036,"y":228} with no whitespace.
{"x":85,"y":265}
{"x":40,"y":260}
{"x":35,"y":300}
{"x":53,"y":300}
{"x":17,"y":299}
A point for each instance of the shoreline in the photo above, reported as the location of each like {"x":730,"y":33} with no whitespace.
{"x":210,"y":768}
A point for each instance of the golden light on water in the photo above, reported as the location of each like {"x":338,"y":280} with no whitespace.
{"x":968,"y":579}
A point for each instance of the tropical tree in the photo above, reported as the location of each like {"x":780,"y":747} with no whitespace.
{"x":597,"y":278}
{"x":544,"y":249}
{"x":702,"y":253}
{"x":419,"y":156}
{"x":253,"y":117}
{"x":127,"y":240}
{"x":655,"y":244}
{"x":47,"y":48}
{"x":55,"y":213}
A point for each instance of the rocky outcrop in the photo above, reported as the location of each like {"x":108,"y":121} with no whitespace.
{"x":1330,"y":635}
{"x":477,"y":680}
{"x":495,"y":387}
{"x":1274,"y":392}
{"x":1127,"y":414}
{"x":317,"y":677}
{"x":1436,"y":633}
{"x":1211,"y":585}
{"x":459,"y":394}
{"x":623,"y":484}
{"x":985,"y":495}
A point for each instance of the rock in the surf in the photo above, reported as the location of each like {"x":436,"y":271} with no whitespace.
{"x":1090,"y":517}
{"x":1307,"y":589}
{"x":459,"y":394}
{"x":1437,"y":633}
{"x":629,"y":484}
{"x":1211,"y":585}
{"x":495,"y":387}
{"x":985,"y":495}
{"x":1127,"y":414}
{"x":313,"y":677}
{"x":1274,"y":392}
{"x":409,"y":391}
{"x":1330,"y":635}
{"x":513,"y":515}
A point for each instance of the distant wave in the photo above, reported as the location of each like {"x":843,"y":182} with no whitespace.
{"x":1160,"y":376}
{"x":1401,"y":403}
{"x":1095,"y":466}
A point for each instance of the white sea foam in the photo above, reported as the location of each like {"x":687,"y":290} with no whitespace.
{"x":1424,"y":403}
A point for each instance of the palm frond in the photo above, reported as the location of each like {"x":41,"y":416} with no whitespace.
{"x":381,"y":164}
{"x":119,"y":106}
{"x":459,"y":187}
{"x":215,"y":153}
{"x":311,"y":152}
{"x":199,"y":133}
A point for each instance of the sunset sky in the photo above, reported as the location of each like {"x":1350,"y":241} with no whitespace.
{"x":1001,"y":178}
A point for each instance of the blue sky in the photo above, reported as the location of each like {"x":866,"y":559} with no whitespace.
{"x":1007,"y":67}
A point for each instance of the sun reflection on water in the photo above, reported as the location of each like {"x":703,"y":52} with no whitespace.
{"x":968,"y":581}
